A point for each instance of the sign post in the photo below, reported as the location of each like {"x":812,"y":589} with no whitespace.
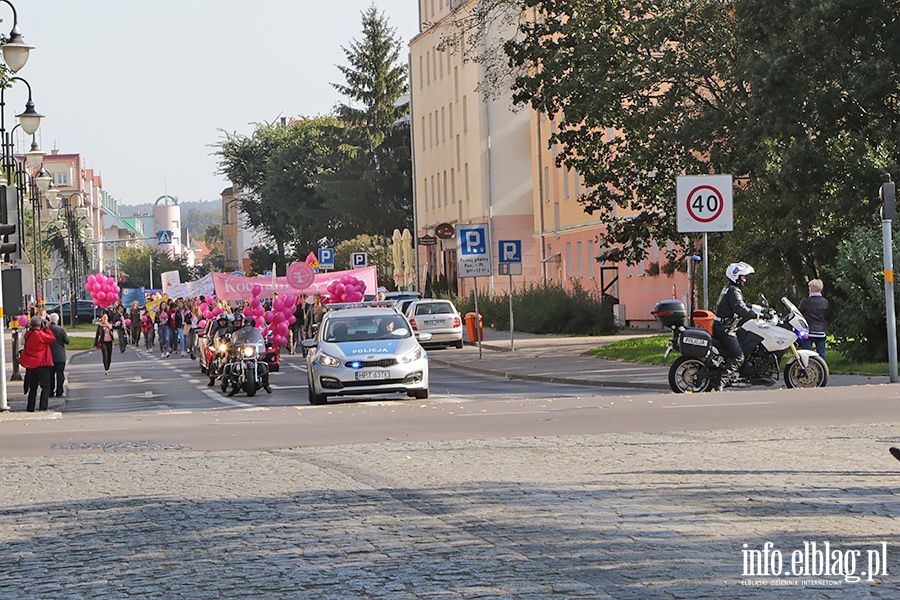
{"x":705,"y":203}
{"x":510,"y":261}
{"x":474,"y":260}
{"x":888,"y":214}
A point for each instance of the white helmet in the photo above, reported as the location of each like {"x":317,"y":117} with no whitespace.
{"x":735,"y":270}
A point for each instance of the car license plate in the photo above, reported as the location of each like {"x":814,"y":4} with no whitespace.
{"x":370,"y":375}
{"x":435,"y":322}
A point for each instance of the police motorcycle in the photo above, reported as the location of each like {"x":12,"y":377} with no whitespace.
{"x":764,"y":341}
{"x":246,"y":368}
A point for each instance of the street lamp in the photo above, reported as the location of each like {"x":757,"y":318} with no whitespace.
{"x":15,"y":50}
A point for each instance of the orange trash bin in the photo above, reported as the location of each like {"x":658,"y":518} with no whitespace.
{"x":704,"y":319}
{"x":475,"y":334}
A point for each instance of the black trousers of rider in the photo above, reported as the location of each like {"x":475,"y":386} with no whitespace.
{"x":730,"y":348}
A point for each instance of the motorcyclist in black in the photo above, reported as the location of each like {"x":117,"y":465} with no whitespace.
{"x":730,"y":311}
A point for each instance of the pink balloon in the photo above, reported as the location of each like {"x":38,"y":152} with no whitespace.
{"x":164,"y":316}
{"x":279,"y":340}
{"x":292,"y":319}
{"x":278,"y":305}
{"x":100,"y":277}
{"x":101,"y":296}
{"x":97,"y":286}
{"x":256,"y":289}
{"x":201,"y":324}
{"x":204,"y":306}
{"x":254,"y":301}
{"x":350,"y":289}
{"x":144,"y":318}
{"x":91,"y":279}
{"x":270,"y":316}
{"x":127,"y":322}
{"x":260,"y":321}
{"x":248,"y":312}
{"x":217,"y":311}
{"x":23,"y":320}
{"x":259,"y":311}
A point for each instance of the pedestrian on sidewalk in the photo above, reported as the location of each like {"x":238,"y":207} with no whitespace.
{"x":118,"y":321}
{"x":815,"y":308}
{"x":37,"y":359}
{"x":103,"y":339}
{"x":58,"y":350}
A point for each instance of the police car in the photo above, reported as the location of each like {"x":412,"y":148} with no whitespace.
{"x":365,"y":349}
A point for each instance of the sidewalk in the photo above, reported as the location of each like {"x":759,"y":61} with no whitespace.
{"x":559,"y":359}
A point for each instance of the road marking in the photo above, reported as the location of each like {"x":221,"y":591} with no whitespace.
{"x":722,"y":404}
{"x":140,"y":395}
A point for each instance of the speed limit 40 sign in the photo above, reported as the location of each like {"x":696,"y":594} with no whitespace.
{"x":705,"y":204}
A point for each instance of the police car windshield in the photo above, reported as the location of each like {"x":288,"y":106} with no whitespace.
{"x":363,"y":329}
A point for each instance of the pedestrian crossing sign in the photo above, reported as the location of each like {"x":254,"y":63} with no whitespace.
{"x":164,"y":237}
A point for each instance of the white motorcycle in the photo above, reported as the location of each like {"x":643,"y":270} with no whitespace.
{"x":764,"y":341}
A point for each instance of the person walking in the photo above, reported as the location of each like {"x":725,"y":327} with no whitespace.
{"x":37,"y":358}
{"x":163,"y":329}
{"x":135,"y":315}
{"x":58,"y":350}
{"x":815,"y":308}
{"x":147,"y":330}
{"x":103,"y":339}
{"x":298,"y":327}
{"x":118,"y":321}
{"x":314,"y":317}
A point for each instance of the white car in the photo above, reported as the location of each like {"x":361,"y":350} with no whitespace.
{"x":439,"y":318}
{"x":362,"y":351}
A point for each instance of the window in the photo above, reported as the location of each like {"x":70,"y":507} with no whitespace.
{"x":430,"y":129}
{"x":425,"y":192}
{"x":446,"y":196}
{"x":590,"y":258}
{"x":443,"y":125}
{"x":578,"y":258}
{"x":465,"y":114}
{"x":577,"y":182}
{"x":556,"y":219}
{"x":421,"y":74}
{"x":62,"y":179}
{"x":452,"y":186}
{"x":456,"y":84}
{"x":568,"y":260}
{"x":428,"y":64}
{"x":546,"y":184}
{"x":565,"y":183}
{"x":467,"y":182}
{"x":422,"y":132}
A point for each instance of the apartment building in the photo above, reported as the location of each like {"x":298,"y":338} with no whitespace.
{"x":479,"y":160}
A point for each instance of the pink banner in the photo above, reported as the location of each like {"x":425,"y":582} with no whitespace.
{"x":231,"y":287}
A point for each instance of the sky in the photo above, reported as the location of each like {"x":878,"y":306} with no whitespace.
{"x":144,"y":90}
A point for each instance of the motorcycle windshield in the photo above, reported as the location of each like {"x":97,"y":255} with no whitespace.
{"x":248,"y":335}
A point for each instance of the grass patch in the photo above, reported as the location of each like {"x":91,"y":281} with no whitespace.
{"x":649,"y":351}
{"x":80,"y":343}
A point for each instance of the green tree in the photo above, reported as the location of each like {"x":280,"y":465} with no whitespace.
{"x":378,"y":251}
{"x":795,"y":98}
{"x":279,"y":167}
{"x":135,"y":262}
{"x":370,"y":184}
{"x":215,"y":260}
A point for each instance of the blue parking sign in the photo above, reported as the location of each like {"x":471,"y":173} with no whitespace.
{"x":510,"y":251}
{"x":360,"y":260}
{"x":326,"y":258}
{"x":474,"y":245}
{"x":472,"y":239}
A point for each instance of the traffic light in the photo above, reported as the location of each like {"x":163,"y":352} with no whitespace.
{"x":9,"y":215}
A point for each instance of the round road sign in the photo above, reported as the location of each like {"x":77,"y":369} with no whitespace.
{"x":705,"y":203}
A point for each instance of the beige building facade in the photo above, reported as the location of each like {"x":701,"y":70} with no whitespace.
{"x":486,"y":161}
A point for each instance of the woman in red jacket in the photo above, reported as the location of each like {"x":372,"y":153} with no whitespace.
{"x":37,"y":358}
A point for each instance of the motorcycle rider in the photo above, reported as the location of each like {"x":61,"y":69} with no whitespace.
{"x":730,"y":311}
{"x":240,"y":336}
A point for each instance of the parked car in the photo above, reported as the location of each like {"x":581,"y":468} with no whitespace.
{"x":362,"y":351}
{"x":87,"y":312}
{"x":439,"y":318}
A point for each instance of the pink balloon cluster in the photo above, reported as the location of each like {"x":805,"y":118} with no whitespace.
{"x":280,"y":318}
{"x":346,"y":289}
{"x":104,"y":290}
{"x":207,"y":312}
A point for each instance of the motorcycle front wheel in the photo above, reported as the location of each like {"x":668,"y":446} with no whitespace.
{"x":814,"y":375}
{"x":683,"y":376}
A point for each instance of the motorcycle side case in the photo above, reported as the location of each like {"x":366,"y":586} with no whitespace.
{"x":695,"y":342}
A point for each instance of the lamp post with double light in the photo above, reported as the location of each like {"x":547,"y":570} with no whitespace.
{"x":15,"y":55}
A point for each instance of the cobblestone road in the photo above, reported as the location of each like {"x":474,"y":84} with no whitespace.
{"x":604,"y":516}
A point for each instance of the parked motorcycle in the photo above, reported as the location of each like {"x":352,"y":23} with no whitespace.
{"x":246,"y":369}
{"x":764,"y":341}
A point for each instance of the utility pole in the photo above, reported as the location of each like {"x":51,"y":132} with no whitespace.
{"x":888,"y":214}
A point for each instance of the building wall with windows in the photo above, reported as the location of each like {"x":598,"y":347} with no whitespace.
{"x":471,"y":155}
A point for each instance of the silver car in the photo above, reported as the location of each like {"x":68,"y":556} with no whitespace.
{"x":439,"y":318}
{"x":362,"y":351}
